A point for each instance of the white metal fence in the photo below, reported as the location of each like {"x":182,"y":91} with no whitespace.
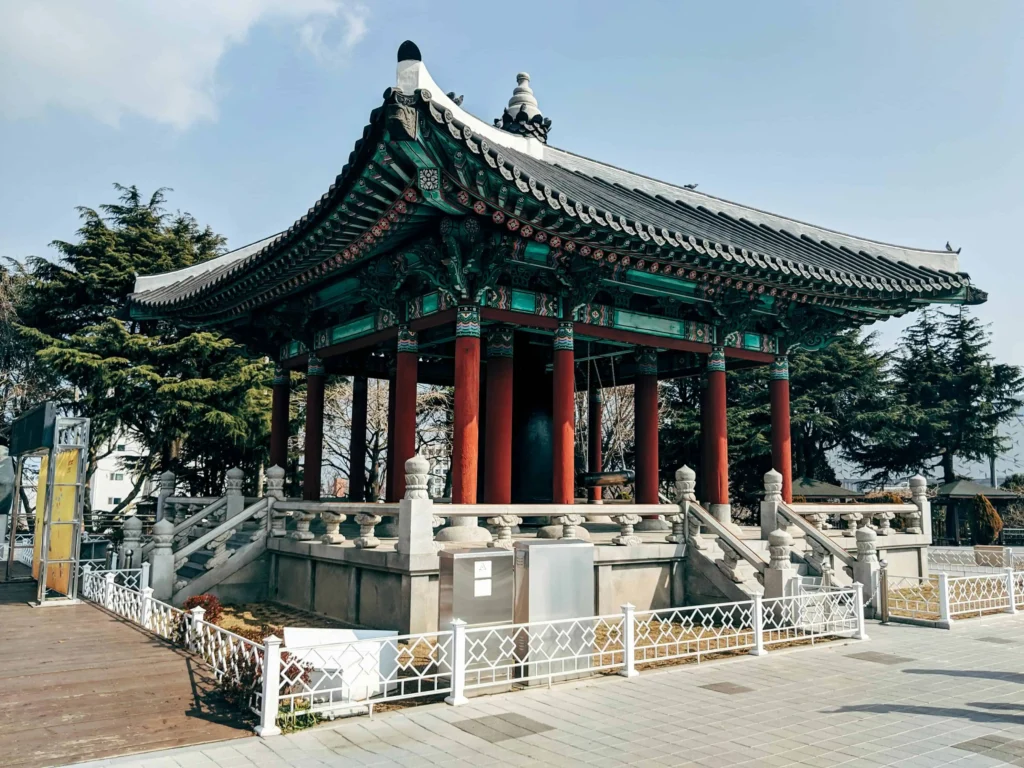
{"x":342,"y":677}
{"x":942,"y":598}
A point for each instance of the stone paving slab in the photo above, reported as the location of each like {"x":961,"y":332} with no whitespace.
{"x":940,"y":698}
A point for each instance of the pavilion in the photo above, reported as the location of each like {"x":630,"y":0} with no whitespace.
{"x":455,"y":252}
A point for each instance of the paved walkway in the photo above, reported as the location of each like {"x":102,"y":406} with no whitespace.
{"x":77,"y":683}
{"x":911,"y":697}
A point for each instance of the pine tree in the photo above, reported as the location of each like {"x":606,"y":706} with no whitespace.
{"x":196,"y":401}
{"x":952,"y":398}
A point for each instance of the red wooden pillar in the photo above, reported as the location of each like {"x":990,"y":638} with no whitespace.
{"x":498,"y":421}
{"x":717,"y":445}
{"x":645,"y":426}
{"x":564,"y":416}
{"x":405,"y":405}
{"x":389,"y":486}
{"x":314,"y":429}
{"x":357,"y":446}
{"x":279,"y":418}
{"x":595,"y":433}
{"x":466,"y":429}
{"x":782,"y":449}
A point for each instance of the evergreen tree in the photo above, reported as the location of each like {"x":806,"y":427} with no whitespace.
{"x":196,"y":401}
{"x":952,"y":399}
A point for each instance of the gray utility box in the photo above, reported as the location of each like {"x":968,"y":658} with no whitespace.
{"x":554,"y":580}
{"x":476,"y":585}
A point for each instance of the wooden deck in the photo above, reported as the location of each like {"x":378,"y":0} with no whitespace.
{"x":79,"y":684}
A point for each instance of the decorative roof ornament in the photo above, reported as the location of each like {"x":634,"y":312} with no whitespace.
{"x":522,"y":115}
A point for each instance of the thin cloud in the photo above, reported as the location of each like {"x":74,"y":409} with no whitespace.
{"x":149,"y":58}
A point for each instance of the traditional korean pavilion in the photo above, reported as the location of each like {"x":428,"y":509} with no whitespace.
{"x":453,"y":251}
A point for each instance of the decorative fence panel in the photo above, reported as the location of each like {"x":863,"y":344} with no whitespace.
{"x":824,"y":613}
{"x":696,"y":631}
{"x":970,"y":595}
{"x":520,"y":653}
{"x":357,"y":674}
{"x":912,"y":597}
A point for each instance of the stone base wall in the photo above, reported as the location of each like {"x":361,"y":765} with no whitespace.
{"x":384,"y":590}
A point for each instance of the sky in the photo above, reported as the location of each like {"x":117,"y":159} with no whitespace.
{"x":897,"y":121}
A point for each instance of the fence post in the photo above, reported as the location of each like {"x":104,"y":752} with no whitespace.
{"x":944,"y":615}
{"x":883,"y":591}
{"x":458,"y":694}
{"x":858,"y":605}
{"x":144,"y":576}
{"x":147,"y":607}
{"x":1009,"y":590}
{"x":757,"y":614}
{"x":197,"y":616}
{"x":271,"y":687}
{"x":628,"y":642}
{"x":132,"y":542}
{"x":108,"y":592}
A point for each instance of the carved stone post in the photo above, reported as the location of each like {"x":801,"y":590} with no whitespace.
{"x":922,"y":522}
{"x":866,"y":567}
{"x":625,"y":537}
{"x":569,"y":527}
{"x":233,"y":480}
{"x":770,"y":505}
{"x":780,"y":577}
{"x":302,"y":522}
{"x":131,"y":547}
{"x":161,"y":572}
{"x":167,"y":481}
{"x":219,"y":547}
{"x":367,"y":525}
{"x":332,"y":521}
{"x":415,"y":511}
{"x":851,"y":519}
{"x":503,"y":525}
{"x":275,"y":493}
{"x":686,"y":484}
{"x":883,"y":527}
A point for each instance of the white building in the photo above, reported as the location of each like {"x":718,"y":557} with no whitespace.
{"x":111,"y":483}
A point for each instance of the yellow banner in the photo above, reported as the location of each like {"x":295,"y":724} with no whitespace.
{"x":62,"y":517}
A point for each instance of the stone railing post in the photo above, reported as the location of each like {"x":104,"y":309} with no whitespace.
{"x":302,"y":522}
{"x":162,"y":560}
{"x":866,"y":567}
{"x":367,"y":526}
{"x":851,"y":519}
{"x":503,"y":525}
{"x":167,"y":481}
{"x":131,"y":547}
{"x":233,"y":480}
{"x":625,"y":537}
{"x":569,"y":524}
{"x":770,"y":505}
{"x":919,"y":496}
{"x":416,"y":511}
{"x":780,"y":577}
{"x":332,"y":521}
{"x":275,"y":493}
{"x":686,"y":483}
{"x":884,"y":528}
{"x":271,"y":687}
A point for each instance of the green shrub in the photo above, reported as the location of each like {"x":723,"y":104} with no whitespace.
{"x":986,"y":525}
